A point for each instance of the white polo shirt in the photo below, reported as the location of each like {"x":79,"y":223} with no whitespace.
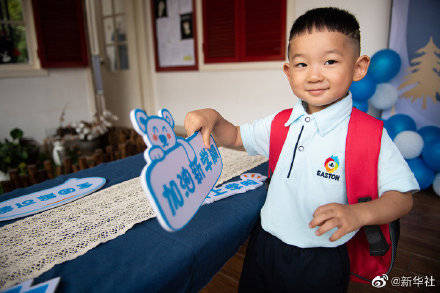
{"x":317,"y":171}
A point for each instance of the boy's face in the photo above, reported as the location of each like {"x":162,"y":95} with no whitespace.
{"x":322,"y":66}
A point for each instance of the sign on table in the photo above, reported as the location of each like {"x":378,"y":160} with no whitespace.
{"x":179,"y":173}
{"x":249,"y":181}
{"x":42,"y":200}
{"x":46,"y":287}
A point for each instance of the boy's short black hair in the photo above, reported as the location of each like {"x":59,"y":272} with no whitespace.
{"x":330,"y":18}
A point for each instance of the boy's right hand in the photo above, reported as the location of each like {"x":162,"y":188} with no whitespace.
{"x":203,"y":120}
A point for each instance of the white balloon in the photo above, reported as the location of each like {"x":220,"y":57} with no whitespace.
{"x":384,"y":97}
{"x":409,"y":143}
{"x":436,"y":184}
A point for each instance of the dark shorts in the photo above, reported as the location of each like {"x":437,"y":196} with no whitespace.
{"x":271,"y":265}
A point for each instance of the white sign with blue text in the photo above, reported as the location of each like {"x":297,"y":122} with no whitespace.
{"x":27,"y":287}
{"x":179,"y":173}
{"x":249,"y":181}
{"x":42,"y":200}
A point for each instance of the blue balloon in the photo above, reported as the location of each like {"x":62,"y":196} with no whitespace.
{"x":361,"y":105}
{"x":384,"y":65}
{"x":398,"y":123}
{"x":431,"y":155}
{"x":423,"y":173}
{"x":363,"y":89}
{"x":429,"y":133}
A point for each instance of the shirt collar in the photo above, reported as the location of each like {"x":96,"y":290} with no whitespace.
{"x":327,"y":119}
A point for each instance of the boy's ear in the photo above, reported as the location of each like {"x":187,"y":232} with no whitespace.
{"x":286,"y":69}
{"x":361,"y":67}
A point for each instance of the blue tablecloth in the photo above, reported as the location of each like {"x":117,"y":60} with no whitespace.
{"x":149,"y":259}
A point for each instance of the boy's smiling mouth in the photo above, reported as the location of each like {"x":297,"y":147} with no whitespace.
{"x":317,"y":92}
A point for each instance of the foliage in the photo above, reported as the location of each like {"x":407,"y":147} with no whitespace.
{"x":19,"y":152}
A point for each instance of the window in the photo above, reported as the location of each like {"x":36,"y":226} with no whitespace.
{"x":46,"y":32}
{"x":244,"y":30}
{"x":113,"y":22}
{"x":60,"y":29}
{"x":18,"y":45}
{"x":13,"y":44}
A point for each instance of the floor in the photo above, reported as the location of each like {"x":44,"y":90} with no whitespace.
{"x":418,"y":254}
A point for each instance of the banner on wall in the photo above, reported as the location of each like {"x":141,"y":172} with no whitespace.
{"x":415,"y":35}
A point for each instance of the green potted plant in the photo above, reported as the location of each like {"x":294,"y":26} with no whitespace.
{"x":17,"y":153}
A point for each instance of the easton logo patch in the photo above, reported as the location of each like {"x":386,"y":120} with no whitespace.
{"x":331,"y":164}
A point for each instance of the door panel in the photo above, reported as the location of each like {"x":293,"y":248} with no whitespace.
{"x":117,"y":42}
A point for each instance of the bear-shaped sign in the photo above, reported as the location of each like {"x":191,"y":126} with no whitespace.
{"x":179,"y":173}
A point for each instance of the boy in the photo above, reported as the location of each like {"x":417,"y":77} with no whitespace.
{"x":306,"y":221}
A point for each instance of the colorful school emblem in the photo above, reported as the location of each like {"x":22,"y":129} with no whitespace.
{"x":179,"y":173}
{"x":331,"y":164}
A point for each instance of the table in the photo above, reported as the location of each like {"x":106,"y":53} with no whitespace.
{"x":149,"y":259}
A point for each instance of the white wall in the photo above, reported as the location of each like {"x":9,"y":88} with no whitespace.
{"x":34,"y":104}
{"x":238,"y":95}
{"x":373,"y":17}
{"x":247,"y":94}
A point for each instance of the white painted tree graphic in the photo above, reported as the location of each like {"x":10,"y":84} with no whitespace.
{"x":425,"y":74}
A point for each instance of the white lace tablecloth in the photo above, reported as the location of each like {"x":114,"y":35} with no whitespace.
{"x":33,"y":245}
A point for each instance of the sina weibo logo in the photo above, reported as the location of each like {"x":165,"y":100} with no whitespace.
{"x":331,"y":164}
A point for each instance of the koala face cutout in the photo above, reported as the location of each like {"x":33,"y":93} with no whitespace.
{"x":160,"y":133}
{"x":156,"y":130}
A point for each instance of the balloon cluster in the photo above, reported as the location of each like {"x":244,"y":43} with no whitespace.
{"x":374,"y":87}
{"x":420,"y":148}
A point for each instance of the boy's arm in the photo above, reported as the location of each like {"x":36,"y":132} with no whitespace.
{"x":210,"y":121}
{"x":348,"y":218}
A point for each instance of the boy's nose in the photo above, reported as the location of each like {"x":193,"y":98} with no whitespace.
{"x":315,"y":74}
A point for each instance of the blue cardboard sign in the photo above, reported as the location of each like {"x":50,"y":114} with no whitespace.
{"x":42,"y":200}
{"x":25,"y":287}
{"x":179,"y":173}
{"x":248,"y":181}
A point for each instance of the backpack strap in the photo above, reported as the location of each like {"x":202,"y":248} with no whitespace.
{"x":278,"y":134}
{"x":362,"y":156}
{"x":368,"y":251}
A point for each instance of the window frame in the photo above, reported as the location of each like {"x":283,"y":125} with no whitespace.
{"x":250,"y":64}
{"x":115,"y":43}
{"x":33,"y":67}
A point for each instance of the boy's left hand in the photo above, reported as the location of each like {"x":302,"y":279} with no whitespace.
{"x":329,"y":216}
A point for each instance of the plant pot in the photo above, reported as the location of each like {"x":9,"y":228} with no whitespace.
{"x":4,"y":176}
{"x":86,"y":147}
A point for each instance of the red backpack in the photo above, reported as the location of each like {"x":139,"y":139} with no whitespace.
{"x":368,"y":250}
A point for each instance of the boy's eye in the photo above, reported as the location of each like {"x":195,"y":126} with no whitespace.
{"x":300,"y":65}
{"x":330,"y":62}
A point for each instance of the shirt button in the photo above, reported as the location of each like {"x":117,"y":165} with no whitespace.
{"x":300,"y":148}
{"x":307,"y":119}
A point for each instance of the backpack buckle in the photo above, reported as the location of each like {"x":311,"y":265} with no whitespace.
{"x":377,"y":243}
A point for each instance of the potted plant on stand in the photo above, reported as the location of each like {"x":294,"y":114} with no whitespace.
{"x":81,"y":137}
{"x":17,"y":153}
